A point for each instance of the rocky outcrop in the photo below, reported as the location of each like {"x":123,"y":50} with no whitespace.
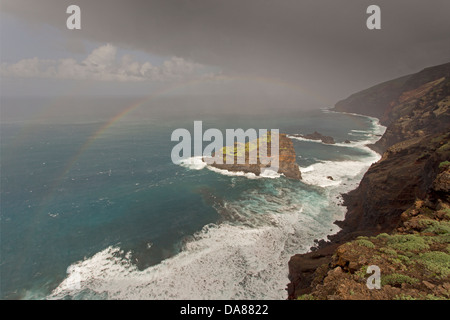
{"x":416,"y":151}
{"x":287,"y":164}
{"x":317,"y":136}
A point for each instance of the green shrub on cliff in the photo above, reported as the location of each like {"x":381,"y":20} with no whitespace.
{"x":444,"y":148}
{"x":419,"y":297}
{"x":404,"y":297}
{"x":447,"y":212}
{"x":432,"y":297}
{"x":397,"y":263}
{"x":396,"y":279}
{"x":434,"y":226}
{"x":437,"y":262}
{"x":408,"y":242}
{"x":404,"y":259}
{"x":362,"y":272}
{"x":389,"y":251}
{"x":383,"y":236}
{"x":365,"y":243}
{"x":444,"y":164}
{"x":437,"y":227}
{"x":440,"y":238}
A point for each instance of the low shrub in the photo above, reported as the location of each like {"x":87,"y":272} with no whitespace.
{"x":389,"y":251}
{"x":365,"y":243}
{"x":408,"y":242}
{"x":444,"y":164}
{"x":437,"y":262}
{"x":397,"y":279}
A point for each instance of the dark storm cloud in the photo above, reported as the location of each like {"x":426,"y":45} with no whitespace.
{"x":323,"y":44}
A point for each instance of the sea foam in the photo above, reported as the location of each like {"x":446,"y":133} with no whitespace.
{"x":197,"y":163}
{"x":243,"y":257}
{"x":222,"y":261}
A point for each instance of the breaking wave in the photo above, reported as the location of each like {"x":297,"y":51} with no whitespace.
{"x":246,"y":254}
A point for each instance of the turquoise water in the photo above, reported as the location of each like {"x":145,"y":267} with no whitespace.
{"x":113,"y":217}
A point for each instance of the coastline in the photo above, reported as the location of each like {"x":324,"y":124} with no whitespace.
{"x":320,"y":254}
{"x":285,"y":219}
{"x":401,"y":194}
{"x":252,"y":248}
{"x":367,"y":145}
{"x":325,"y":244}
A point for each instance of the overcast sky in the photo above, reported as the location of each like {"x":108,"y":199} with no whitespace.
{"x":320,"y":46}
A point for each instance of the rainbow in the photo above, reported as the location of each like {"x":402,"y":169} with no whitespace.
{"x":172,"y":89}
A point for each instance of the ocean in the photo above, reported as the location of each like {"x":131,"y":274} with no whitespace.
{"x":92,"y":206}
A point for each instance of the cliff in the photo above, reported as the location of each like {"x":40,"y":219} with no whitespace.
{"x":287,"y":164}
{"x":405,"y":194}
{"x":380,"y":100}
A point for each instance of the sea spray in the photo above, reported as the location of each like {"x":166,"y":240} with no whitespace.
{"x":245,"y":255}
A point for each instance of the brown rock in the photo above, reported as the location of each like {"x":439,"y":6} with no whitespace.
{"x":428,"y":285}
{"x":287,"y":164}
{"x":318,"y":136}
{"x":442,"y":182}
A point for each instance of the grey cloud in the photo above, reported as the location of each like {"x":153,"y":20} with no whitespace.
{"x":322,"y":45}
{"x":102,"y":64}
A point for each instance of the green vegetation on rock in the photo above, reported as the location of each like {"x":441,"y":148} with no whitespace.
{"x":437,"y":262}
{"x":306,"y":297}
{"x":389,"y":251}
{"x":396,"y":279}
{"x":404,"y":297}
{"x":444,"y":163}
{"x":408,"y":242}
{"x":365,"y":243}
{"x":436,"y":227}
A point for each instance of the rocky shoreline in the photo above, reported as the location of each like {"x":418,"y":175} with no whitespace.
{"x":412,"y":176}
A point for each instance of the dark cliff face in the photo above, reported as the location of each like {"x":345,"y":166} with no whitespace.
{"x":378,"y":101}
{"x":373,"y":101}
{"x":417,"y":113}
{"x":391,"y":185}
{"x":414,"y":259}
{"x":416,"y":110}
{"x":419,"y":122}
